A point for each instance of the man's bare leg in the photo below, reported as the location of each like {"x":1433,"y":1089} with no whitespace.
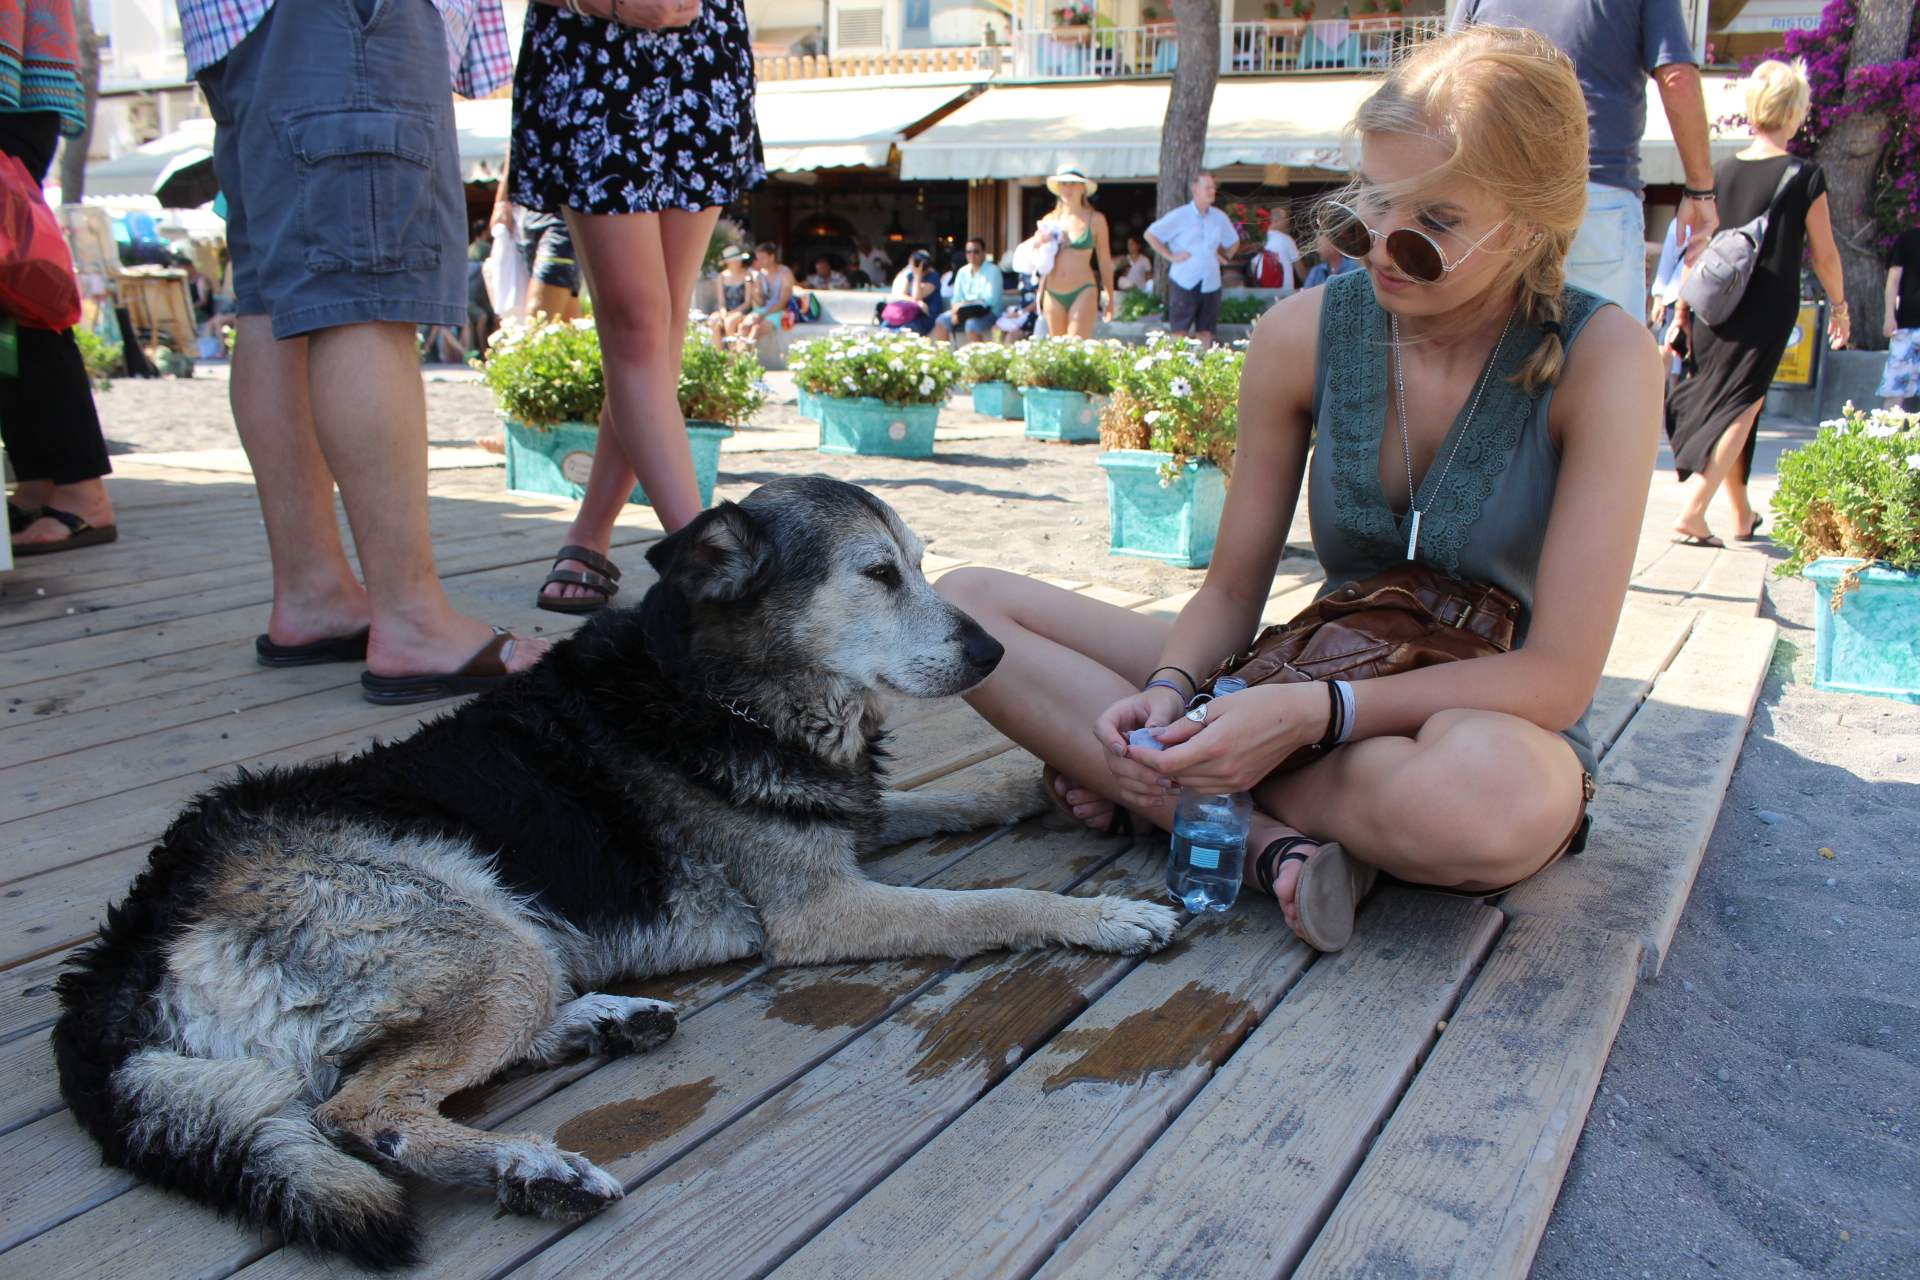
{"x":370,"y":417}
{"x":315,"y":592}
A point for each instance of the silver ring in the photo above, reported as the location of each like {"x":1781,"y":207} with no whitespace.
{"x":1199,"y":714}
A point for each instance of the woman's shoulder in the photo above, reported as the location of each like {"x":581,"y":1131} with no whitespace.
{"x":1609,"y":344}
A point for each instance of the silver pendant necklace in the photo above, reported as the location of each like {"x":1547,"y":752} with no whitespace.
{"x":1406,"y":445}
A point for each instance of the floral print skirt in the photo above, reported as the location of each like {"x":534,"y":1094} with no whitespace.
{"x":615,"y":119}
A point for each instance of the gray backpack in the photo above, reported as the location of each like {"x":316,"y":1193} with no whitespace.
{"x":1717,"y":282}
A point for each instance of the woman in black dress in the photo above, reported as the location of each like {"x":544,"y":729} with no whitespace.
{"x":633,"y":118}
{"x":1710,"y":414}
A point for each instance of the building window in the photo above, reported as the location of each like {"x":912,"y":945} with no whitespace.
{"x":860,"y":28}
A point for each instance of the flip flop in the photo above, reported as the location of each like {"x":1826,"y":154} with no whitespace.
{"x":351,"y":648}
{"x":79,"y":534}
{"x":1688,"y":540}
{"x":1753,"y":533}
{"x":1119,"y":822}
{"x":603,"y":576}
{"x":18,"y":518}
{"x":485,"y":670}
{"x":1331,"y":885}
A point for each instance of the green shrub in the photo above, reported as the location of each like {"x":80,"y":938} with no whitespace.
{"x":1854,"y":491}
{"x":898,"y":368}
{"x":1137,"y":304}
{"x":546,"y":372}
{"x":1174,"y":398}
{"x":1066,"y":363}
{"x":986,"y":362}
{"x":102,"y":357}
{"x":1242,"y":309}
{"x":719,"y":386}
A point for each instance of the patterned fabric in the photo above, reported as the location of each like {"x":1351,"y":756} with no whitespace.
{"x":1901,"y":377}
{"x":478,"y":55}
{"x":614,"y":119}
{"x":40,"y":62}
{"x":1355,"y":330}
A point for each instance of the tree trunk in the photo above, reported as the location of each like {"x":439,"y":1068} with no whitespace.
{"x":1183,"y":135}
{"x":1850,"y":158}
{"x":73,"y":153}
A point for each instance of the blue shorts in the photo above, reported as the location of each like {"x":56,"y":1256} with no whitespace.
{"x":335,"y":149}
{"x":548,"y":247}
{"x":982,"y":323}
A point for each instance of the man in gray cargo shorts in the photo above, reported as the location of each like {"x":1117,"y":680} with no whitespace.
{"x":335,"y":149}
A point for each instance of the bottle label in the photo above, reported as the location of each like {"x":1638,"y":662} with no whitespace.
{"x":1203,"y":856}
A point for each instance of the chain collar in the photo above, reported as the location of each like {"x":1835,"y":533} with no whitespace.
{"x":733,"y":705}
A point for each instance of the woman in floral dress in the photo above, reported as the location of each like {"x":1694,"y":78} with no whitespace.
{"x":635,"y":119}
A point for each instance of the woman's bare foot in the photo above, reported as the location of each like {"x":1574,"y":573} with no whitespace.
{"x":1090,"y":807}
{"x":1260,"y":838}
{"x":569,"y":590}
{"x":86,"y":499}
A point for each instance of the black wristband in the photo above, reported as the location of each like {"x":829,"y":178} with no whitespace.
{"x":1691,"y":194}
{"x":1336,"y":718}
{"x":1191,"y":682}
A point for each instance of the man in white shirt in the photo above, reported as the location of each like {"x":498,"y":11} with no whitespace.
{"x":872,"y":262}
{"x":1192,"y":238}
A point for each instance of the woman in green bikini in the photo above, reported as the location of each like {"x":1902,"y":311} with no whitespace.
{"x":1073,"y":291}
{"x":1457,"y":402}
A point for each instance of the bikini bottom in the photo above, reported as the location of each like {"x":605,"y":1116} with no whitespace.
{"x":1066,"y":300}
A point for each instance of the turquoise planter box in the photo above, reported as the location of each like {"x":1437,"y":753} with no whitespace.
{"x":1061,"y":415}
{"x":1873,"y":644}
{"x":809,"y":403}
{"x":997,"y":400}
{"x":1177,"y":523}
{"x":559,"y":461}
{"x":876,"y":428}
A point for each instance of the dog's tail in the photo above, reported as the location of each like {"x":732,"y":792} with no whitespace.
{"x":235,"y":1134}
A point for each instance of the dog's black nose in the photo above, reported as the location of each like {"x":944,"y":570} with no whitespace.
{"x":984,"y":652}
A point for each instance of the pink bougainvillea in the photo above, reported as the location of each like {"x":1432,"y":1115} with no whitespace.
{"x":1893,"y":87}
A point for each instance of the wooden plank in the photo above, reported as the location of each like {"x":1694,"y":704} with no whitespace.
{"x":999,"y":1187}
{"x":51,"y":1177}
{"x":940,"y":744}
{"x":752,"y":1194}
{"x":1292,"y":1112}
{"x":1288,"y":604}
{"x":28,"y":1086}
{"x":1643,"y":644}
{"x":1673,"y":577}
{"x":1735,"y":583}
{"x":1660,"y":792}
{"x":26,"y":998}
{"x":1463,"y":1180}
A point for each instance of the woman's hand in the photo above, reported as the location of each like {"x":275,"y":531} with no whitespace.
{"x":502,"y":215}
{"x":1682,"y":323}
{"x":1142,"y":785}
{"x":1244,"y":737}
{"x":1839,"y":326}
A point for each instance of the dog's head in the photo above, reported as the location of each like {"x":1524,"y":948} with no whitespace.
{"x":811,"y":575}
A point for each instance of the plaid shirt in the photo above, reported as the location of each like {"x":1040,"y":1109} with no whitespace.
{"x":478,"y":54}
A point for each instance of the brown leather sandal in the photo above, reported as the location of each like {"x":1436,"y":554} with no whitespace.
{"x":603,"y":576}
{"x":1331,"y":886}
{"x":484,"y":670}
{"x":1119,"y":822}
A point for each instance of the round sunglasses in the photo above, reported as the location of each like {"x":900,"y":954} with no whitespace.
{"x":1413,"y":253}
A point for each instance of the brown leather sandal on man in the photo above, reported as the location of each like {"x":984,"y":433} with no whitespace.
{"x":483,"y":671}
{"x":603,"y":577}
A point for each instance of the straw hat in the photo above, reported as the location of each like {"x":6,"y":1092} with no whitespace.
{"x":1070,"y":174}
{"x":734,"y":253}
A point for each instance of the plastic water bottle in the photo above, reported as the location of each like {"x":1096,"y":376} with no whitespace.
{"x":1210,"y":839}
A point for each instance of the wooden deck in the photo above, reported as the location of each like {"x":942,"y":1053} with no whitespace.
{"x":1235,"y":1106}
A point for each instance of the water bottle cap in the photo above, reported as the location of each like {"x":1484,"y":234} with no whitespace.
{"x":1228,"y":684}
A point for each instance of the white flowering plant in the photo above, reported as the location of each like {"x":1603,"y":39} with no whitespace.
{"x":898,"y":368}
{"x":1854,"y":491}
{"x":1066,"y":363}
{"x":1173,"y":397}
{"x":719,"y":386}
{"x":986,"y":362}
{"x":545,"y":372}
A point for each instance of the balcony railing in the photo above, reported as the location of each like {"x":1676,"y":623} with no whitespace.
{"x":991,"y":59}
{"x":1251,"y":48}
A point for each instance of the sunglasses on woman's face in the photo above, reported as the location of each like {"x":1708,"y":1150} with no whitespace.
{"x":1413,"y":253}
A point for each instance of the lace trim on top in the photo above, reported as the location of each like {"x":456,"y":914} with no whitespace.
{"x":1356,"y":325}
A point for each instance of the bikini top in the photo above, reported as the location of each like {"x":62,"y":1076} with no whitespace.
{"x":1082,"y":241}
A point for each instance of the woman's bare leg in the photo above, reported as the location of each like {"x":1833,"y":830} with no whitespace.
{"x":1085,"y":313}
{"x":1702,"y":484}
{"x":641,"y":300}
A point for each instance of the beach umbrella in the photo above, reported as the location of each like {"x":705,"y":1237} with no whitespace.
{"x":187,"y":181}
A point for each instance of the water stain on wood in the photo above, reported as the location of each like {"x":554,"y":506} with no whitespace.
{"x":622,"y":1129}
{"x":1195,"y":1024}
{"x":1009,"y":1013}
{"x":827,"y":1003}
{"x":675,"y":988}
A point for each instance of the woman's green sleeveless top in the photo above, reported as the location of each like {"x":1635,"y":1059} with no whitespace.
{"x":1485,"y":518}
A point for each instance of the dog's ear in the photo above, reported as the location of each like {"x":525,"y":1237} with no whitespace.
{"x":722,"y":554}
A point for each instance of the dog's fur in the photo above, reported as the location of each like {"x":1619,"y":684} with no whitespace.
{"x":316,"y":957}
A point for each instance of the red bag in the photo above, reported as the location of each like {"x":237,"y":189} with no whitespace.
{"x":1268,"y":271}
{"x":37,"y":285}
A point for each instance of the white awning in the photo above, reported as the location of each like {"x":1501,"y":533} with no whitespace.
{"x":1111,"y":130}
{"x":833,"y":124}
{"x":134,"y":172}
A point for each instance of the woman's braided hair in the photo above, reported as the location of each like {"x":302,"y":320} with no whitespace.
{"x":1509,"y":106}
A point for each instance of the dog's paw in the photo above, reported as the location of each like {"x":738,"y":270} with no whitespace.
{"x":1130,"y":927}
{"x":544,"y":1181}
{"x":637,"y":1026}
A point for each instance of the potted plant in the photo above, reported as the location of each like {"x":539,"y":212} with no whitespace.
{"x":546,"y":382}
{"x":877,"y":393}
{"x":1169,"y":432}
{"x":988,"y":370}
{"x":1848,"y":506}
{"x":1062,"y":381}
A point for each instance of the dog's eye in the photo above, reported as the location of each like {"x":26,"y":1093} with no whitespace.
{"x":887,"y":574}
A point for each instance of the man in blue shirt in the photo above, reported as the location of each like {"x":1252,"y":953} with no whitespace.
{"x":1190,"y":238}
{"x":977,"y":294}
{"x":1615,"y":45}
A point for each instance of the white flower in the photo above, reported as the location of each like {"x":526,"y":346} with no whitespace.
{"x":850,"y":382}
{"x":1913,"y":462}
{"x":926,"y":386}
{"x":1180,"y":387}
{"x":1882,"y":425}
{"x":1154,"y":417}
{"x":1143,"y":364}
{"x":895,"y":364}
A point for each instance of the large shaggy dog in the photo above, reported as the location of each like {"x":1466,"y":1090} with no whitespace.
{"x":316,"y":957}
